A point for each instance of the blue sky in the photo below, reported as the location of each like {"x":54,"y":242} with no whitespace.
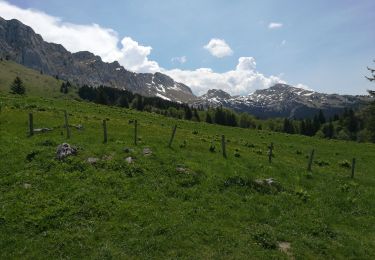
{"x":325,"y":45}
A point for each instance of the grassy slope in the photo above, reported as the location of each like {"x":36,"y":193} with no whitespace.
{"x":148,"y":209}
{"x":35,"y":83}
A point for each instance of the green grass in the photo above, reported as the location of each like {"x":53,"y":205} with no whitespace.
{"x":36,"y":84}
{"x":70,"y":209}
{"x":148,"y":209}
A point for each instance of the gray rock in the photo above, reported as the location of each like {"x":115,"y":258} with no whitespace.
{"x":27,"y":185}
{"x":93,"y":160}
{"x":129,"y":160}
{"x":147,"y":152}
{"x":64,"y":150}
{"x":42,"y":130}
{"x":107,"y":157}
{"x":181,"y":170}
{"x":269,"y":181}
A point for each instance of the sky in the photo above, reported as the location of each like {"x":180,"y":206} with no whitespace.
{"x":238,"y":46}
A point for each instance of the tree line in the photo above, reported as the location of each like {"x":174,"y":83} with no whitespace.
{"x":350,"y":125}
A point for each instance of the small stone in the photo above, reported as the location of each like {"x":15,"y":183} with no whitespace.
{"x":147,"y":152}
{"x":92,"y":160}
{"x":181,"y":170}
{"x":27,"y":185}
{"x":129,"y":160}
{"x":107,"y":157}
{"x":269,"y":181}
{"x":42,"y":130}
{"x":285,"y":248}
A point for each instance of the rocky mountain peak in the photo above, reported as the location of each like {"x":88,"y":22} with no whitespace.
{"x":282,"y":100}
{"x":217,"y":93}
{"x":21,"y":44}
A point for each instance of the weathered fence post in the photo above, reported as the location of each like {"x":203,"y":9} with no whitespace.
{"x":172,"y":137}
{"x":270,"y":153}
{"x":31,"y":124}
{"x":310,"y":160}
{"x":135,"y":132}
{"x":353,"y":167}
{"x":67,"y":124}
{"x":223,"y":146}
{"x":105,"y":130}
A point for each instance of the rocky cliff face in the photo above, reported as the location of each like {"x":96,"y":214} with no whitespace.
{"x":20,"y":43}
{"x":283,"y":100}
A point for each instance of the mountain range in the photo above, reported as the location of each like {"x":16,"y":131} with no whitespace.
{"x":282,"y":100}
{"x":18,"y":42}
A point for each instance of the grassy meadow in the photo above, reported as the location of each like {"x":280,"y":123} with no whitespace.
{"x":181,"y":202}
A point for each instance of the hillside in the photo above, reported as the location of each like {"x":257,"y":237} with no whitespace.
{"x":36,"y":84}
{"x":179,"y":202}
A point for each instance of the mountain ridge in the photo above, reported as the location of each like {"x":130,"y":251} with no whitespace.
{"x":19,"y":42}
{"x":282,"y":100}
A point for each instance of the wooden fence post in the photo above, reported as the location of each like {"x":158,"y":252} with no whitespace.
{"x":353,"y":167}
{"x":310,"y":160}
{"x":223,"y":146}
{"x":31,"y":124}
{"x":67,"y":124}
{"x":270,"y":153}
{"x":105,"y":130}
{"x":135,"y":132}
{"x":172,"y":137}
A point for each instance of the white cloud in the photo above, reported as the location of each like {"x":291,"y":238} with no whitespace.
{"x":104,"y":42}
{"x":275,"y":25}
{"x":135,"y":56}
{"x":94,"y":38}
{"x":283,"y":42}
{"x":218,"y":48}
{"x":180,"y":60}
{"x":243,"y":80}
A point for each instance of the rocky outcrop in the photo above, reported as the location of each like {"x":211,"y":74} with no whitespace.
{"x":64,"y":150}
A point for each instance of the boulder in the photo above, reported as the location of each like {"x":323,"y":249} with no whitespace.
{"x":64,"y":150}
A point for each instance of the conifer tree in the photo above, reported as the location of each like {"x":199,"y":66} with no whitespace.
{"x":208,"y":118}
{"x":17,"y":87}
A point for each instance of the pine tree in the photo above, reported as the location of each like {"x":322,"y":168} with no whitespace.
{"x":123,"y":101}
{"x":321,"y":117}
{"x":371,"y":108}
{"x":219,"y":117}
{"x":196,"y":115}
{"x":101,"y":96}
{"x":188,"y":113}
{"x":208,"y":118}
{"x":17,"y":87}
{"x":316,"y":124}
